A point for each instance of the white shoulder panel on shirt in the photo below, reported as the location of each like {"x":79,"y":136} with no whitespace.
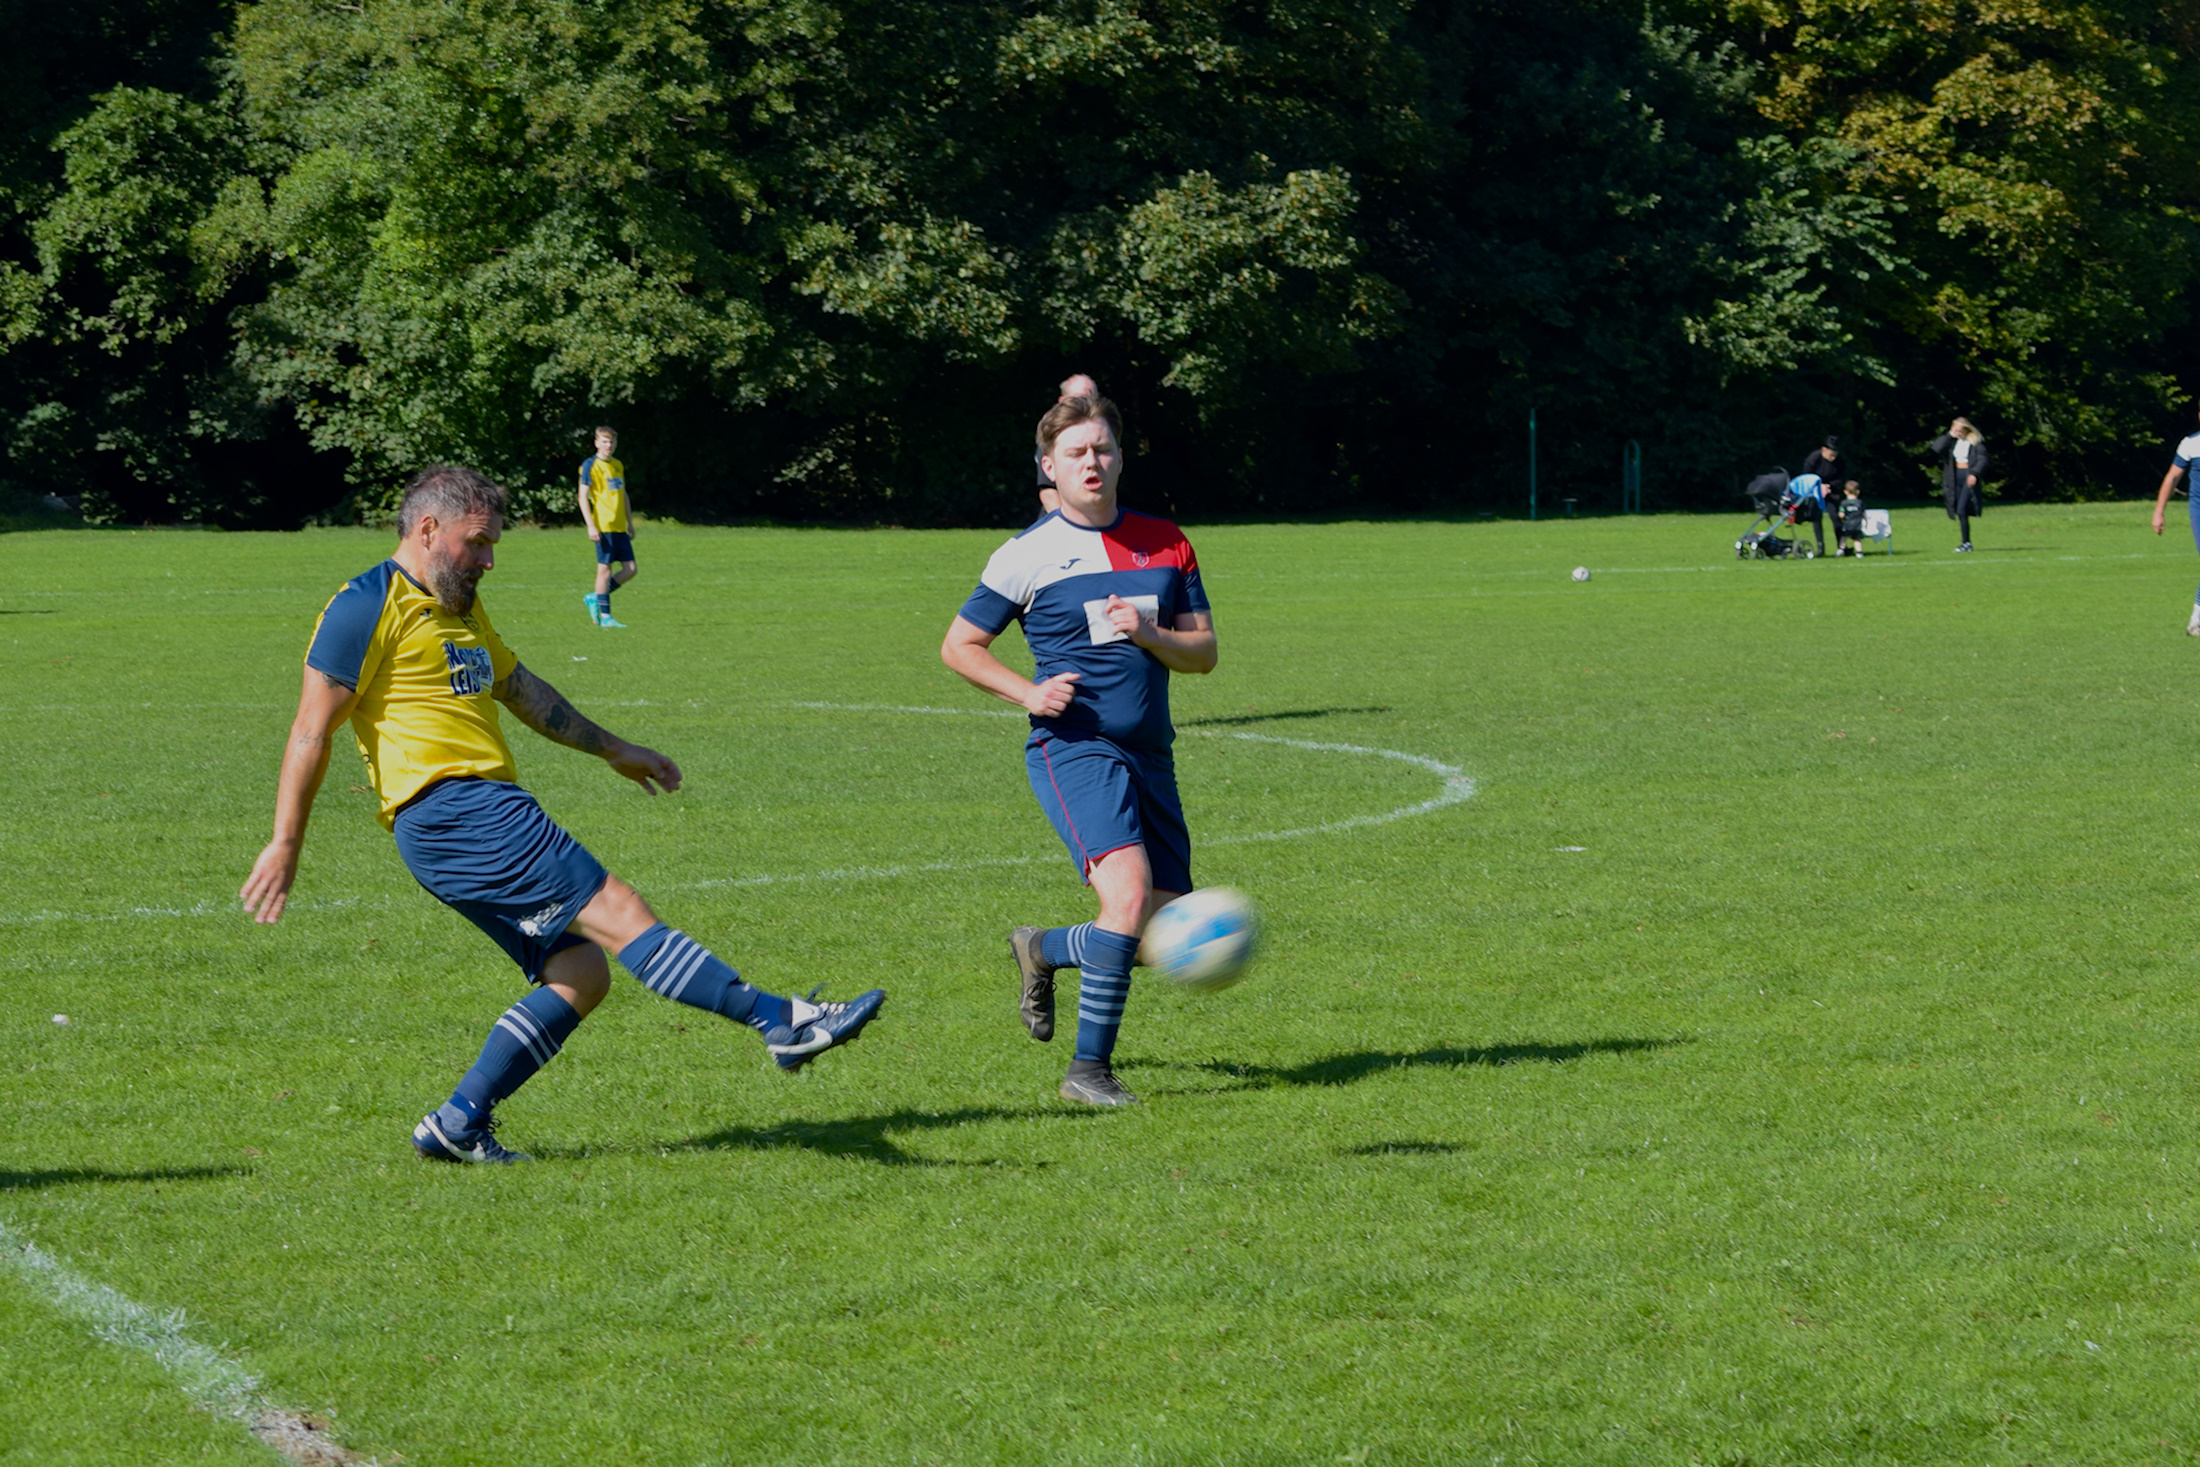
{"x":2189,"y":450}
{"x":1036,"y":559}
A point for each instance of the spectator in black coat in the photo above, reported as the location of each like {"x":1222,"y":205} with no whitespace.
{"x":1962,"y":451}
{"x":1826,"y":463}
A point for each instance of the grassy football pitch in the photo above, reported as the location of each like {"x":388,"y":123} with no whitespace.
{"x":1784,"y":1055}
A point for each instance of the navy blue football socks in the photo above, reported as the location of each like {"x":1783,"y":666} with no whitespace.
{"x":1064,"y":947}
{"x":1104,"y":983}
{"x":526,"y":1038}
{"x":674,"y":965}
{"x":532,"y":1031}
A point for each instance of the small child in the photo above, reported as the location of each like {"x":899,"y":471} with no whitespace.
{"x":603,"y":510}
{"x":1851,"y":520}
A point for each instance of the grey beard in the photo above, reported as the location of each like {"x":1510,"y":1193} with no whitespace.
{"x":453,"y":592}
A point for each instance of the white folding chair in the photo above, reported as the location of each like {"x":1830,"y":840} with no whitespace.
{"x":1879,"y":525}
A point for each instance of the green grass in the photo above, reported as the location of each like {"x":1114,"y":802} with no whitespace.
{"x":1833,"y":1103}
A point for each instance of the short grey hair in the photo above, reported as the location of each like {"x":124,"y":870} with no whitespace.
{"x":448,"y":492}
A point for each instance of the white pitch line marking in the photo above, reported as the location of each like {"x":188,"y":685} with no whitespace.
{"x":852,"y":873}
{"x":213,"y":907}
{"x":212,"y":1381}
{"x":1458,"y":787}
{"x":910,"y":708}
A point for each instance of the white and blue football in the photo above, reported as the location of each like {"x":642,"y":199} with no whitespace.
{"x":1203,"y":940}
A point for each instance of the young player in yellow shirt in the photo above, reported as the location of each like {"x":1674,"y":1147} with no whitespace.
{"x":604,"y":511}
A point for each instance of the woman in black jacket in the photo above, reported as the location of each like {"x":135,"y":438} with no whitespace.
{"x":1962,"y":451}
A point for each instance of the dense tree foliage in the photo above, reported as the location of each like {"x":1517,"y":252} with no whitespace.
{"x":827,"y":258}
{"x":2040,"y":163}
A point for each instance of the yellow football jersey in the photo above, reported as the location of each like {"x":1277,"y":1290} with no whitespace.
{"x":423,"y":677}
{"x":604,"y":481}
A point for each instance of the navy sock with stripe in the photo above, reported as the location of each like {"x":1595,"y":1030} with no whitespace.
{"x":674,"y":965}
{"x":1104,"y":983}
{"x":527,"y":1037}
{"x":1064,"y":947}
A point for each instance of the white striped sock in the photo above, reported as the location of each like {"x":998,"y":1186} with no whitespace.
{"x":673,"y":966}
{"x":1100,"y":1000}
{"x":521,"y":1025}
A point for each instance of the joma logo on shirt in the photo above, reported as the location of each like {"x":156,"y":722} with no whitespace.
{"x":470,"y":670}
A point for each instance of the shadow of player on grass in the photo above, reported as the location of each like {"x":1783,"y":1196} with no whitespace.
{"x":14,"y":1181}
{"x":1231,"y":719}
{"x":1345,"y":1069}
{"x":863,"y":1138}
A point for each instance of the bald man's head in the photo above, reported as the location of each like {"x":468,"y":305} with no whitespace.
{"x":1077,"y":384}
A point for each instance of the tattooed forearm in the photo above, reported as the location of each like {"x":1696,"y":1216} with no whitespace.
{"x":545,"y":710}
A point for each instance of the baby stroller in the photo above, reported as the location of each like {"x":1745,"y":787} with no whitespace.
{"x":1771,"y":535}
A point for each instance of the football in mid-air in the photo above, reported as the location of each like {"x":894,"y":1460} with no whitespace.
{"x":1581,"y":573}
{"x":1203,"y":940}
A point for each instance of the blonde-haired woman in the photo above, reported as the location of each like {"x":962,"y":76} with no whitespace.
{"x":1962,"y":451}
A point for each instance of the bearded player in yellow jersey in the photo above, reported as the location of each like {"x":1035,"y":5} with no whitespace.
{"x":604,"y":511}
{"x":407,"y":654}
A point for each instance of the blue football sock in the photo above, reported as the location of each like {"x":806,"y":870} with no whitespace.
{"x":526,"y":1038}
{"x":1104,"y":983}
{"x":1064,"y":947}
{"x":674,"y":965}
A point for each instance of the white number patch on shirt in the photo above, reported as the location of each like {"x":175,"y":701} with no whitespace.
{"x":1103,"y":630}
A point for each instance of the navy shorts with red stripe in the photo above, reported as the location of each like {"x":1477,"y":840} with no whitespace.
{"x":1102,"y":797}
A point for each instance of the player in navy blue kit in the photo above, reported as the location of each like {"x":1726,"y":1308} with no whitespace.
{"x":1111,"y":604}
{"x":2186,"y":454}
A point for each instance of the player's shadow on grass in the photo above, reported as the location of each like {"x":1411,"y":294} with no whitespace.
{"x":1224,"y":722}
{"x":868,"y":1138}
{"x":1344,"y":1069}
{"x":13,"y":1181}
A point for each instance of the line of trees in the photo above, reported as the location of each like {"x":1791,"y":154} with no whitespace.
{"x":824,"y":258}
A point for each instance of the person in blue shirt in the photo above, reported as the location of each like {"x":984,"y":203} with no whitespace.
{"x":1807,"y":492}
{"x":2185,"y":455}
{"x":1111,"y":604}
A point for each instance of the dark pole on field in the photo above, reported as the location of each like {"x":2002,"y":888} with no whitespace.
{"x":1531,"y":463}
{"x":1630,"y":479}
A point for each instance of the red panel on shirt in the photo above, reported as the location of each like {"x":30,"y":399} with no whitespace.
{"x":1140,"y":542}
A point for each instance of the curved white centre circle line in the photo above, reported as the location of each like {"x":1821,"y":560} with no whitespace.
{"x":1457,"y":788}
{"x":1458,"y":785}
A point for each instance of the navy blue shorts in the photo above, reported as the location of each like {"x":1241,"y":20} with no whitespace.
{"x":484,"y":849}
{"x":614,"y":547}
{"x":2195,"y":509}
{"x":1103,"y":797}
